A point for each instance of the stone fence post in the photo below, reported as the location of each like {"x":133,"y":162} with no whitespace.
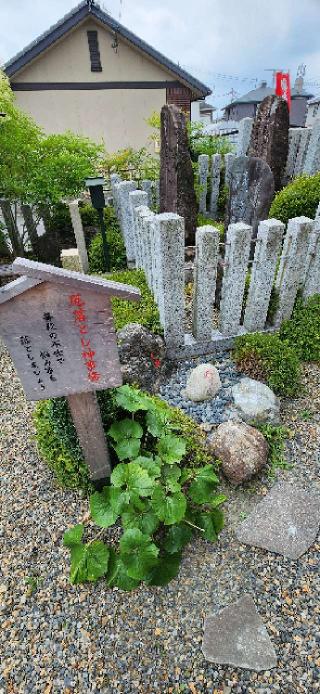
{"x":79,"y":234}
{"x":291,"y":271}
{"x":268,"y":247}
{"x":228,"y":159}
{"x":137,"y":198}
{"x":302,"y":151}
{"x":293,"y":146}
{"x":215,"y":184}
{"x":144,"y":223}
{"x":123,"y":190}
{"x":146,"y":186}
{"x":312,"y":159}
{"x":70,"y":259}
{"x":169,"y":248}
{"x":312,"y":271}
{"x":237,"y":249}
{"x":244,"y":136}
{"x":203,"y":163}
{"x":205,"y":275}
{"x":114,"y":180}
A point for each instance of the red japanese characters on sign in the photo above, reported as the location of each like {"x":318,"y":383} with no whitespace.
{"x":88,"y":352}
{"x":283,"y":86}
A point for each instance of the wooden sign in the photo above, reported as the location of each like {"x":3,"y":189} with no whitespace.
{"x":58,"y":328}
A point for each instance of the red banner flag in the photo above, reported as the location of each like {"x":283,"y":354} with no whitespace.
{"x":283,"y":86}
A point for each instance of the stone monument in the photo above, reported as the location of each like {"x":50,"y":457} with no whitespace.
{"x":270,"y":136}
{"x":177,"y":192}
{"x":251,"y":189}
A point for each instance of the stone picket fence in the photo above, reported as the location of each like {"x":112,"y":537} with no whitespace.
{"x":157,"y":245}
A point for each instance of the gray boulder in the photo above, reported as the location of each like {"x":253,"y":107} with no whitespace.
{"x":141,"y":356}
{"x":243,"y":450}
{"x":255,"y":401}
{"x":203,"y":383}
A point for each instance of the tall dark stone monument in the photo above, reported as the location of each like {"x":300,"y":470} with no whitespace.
{"x":251,"y":189}
{"x":270,"y":136}
{"x":177,"y":192}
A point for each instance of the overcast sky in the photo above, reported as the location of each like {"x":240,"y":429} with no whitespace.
{"x":240,"y":39}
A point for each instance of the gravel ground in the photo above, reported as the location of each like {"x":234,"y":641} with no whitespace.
{"x":213,"y":411}
{"x":66,"y":639}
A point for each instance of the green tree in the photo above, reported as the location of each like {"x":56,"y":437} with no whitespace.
{"x":36,"y":169}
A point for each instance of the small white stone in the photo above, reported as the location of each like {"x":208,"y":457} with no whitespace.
{"x":203,"y":383}
{"x":255,"y":401}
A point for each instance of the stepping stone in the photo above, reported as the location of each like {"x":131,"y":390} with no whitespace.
{"x":286,"y":521}
{"x":237,"y":636}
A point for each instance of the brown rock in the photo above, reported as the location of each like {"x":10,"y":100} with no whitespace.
{"x":242,"y":450}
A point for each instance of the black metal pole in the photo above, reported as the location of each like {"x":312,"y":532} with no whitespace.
{"x":104,"y":239}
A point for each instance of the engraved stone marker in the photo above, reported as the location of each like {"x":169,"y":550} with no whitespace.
{"x":251,"y":190}
{"x":58,"y":327}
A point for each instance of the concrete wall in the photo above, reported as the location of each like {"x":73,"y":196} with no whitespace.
{"x":116,"y":116}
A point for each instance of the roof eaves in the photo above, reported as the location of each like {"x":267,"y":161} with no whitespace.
{"x":76,"y":15}
{"x":46,"y":39}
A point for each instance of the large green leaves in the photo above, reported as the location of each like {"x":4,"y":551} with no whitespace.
{"x":157,"y":423}
{"x":177,"y":537}
{"x":144,"y":518}
{"x":151,"y":465}
{"x":211,"y":522}
{"x":203,"y":486}
{"x":131,"y":400}
{"x":127,"y":435}
{"x":170,"y":475}
{"x":171,"y":449}
{"x":134,"y":478}
{"x":169,"y":508}
{"x":166,"y":568}
{"x":107,"y":505}
{"x":73,"y":536}
{"x":117,"y":574}
{"x":88,"y":562}
{"x":138,"y":553}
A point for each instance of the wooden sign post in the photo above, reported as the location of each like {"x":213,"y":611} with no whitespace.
{"x":58,"y":327}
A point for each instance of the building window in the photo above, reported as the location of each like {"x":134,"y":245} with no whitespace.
{"x":94,"y":51}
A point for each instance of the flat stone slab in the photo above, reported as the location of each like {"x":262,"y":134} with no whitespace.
{"x":237,"y":636}
{"x":286,"y":521}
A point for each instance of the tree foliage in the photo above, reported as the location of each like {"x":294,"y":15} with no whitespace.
{"x":40,"y":169}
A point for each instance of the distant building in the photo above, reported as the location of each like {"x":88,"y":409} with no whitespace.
{"x":202,"y":112}
{"x":91,"y":75}
{"x":313,"y":112}
{"x":247,"y":105}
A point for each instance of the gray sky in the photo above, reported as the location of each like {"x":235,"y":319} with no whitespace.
{"x":237,"y":38}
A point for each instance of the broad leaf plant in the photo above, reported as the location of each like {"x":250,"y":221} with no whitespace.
{"x":159,"y":503}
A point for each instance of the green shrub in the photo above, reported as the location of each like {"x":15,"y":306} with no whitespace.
{"x":117,"y":251}
{"x":302,"y":331}
{"x":144,"y":311}
{"x":266,"y":357}
{"x":301,"y":197}
{"x":58,"y":444}
{"x":159,"y":502}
